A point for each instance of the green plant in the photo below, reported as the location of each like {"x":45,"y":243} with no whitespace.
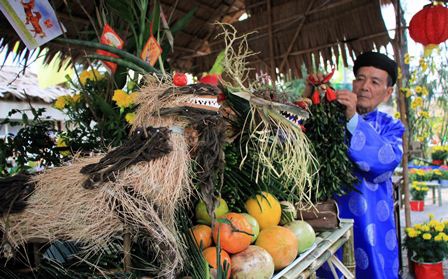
{"x":33,"y":145}
{"x":418,"y":191}
{"x":439,"y":153}
{"x":444,"y":174}
{"x":428,"y":242}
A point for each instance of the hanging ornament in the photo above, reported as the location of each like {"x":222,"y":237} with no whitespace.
{"x":430,"y":25}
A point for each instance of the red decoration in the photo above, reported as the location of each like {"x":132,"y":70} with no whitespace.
{"x":212,"y":79}
{"x":180,"y":79}
{"x":428,"y":270}
{"x":430,"y":25}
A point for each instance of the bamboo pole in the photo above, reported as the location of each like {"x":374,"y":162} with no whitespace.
{"x":271,"y":44}
{"x":349,"y":255}
{"x":127,"y":251}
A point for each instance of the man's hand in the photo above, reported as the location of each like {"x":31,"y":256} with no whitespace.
{"x":349,"y":100}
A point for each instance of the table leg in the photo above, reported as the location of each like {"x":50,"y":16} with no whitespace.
{"x":433,"y":195}
{"x":349,"y":254}
{"x":439,"y":191}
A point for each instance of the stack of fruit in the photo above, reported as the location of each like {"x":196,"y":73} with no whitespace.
{"x":252,"y":244}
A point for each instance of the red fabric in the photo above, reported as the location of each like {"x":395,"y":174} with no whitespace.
{"x":428,"y":270}
{"x":417,"y":205}
{"x":430,"y":25}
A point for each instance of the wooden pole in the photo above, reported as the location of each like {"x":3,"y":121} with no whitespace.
{"x":271,"y":44}
{"x":127,"y":243}
{"x":401,"y":100}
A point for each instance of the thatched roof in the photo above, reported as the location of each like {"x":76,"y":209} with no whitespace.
{"x":303,"y":32}
{"x":16,"y":85}
{"x":300,"y":30}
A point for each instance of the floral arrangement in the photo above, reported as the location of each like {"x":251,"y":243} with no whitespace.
{"x":428,"y":242}
{"x":439,"y":153}
{"x":420,"y":174}
{"x":418,"y":191}
{"x":99,"y":115}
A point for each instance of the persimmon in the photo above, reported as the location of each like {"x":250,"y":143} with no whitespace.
{"x":202,"y":235}
{"x":211,"y":257}
{"x":235,"y":234}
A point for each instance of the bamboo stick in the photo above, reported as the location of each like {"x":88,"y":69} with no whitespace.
{"x":349,"y":255}
{"x":127,"y":251}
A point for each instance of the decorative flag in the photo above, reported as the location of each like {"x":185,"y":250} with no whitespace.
{"x":34,"y":21}
{"x":110,"y":38}
{"x":152,"y":50}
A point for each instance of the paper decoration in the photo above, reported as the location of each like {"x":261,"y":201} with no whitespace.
{"x":34,"y":21}
{"x":151,"y":51}
{"x":110,"y":38}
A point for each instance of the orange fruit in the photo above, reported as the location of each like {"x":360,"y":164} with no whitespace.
{"x":202,"y":235}
{"x":266,"y":209}
{"x":234,"y":237}
{"x":281,"y":243}
{"x":211,"y":257}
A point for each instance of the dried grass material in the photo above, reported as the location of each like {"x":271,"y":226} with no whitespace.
{"x":60,"y":208}
{"x":144,"y":199}
{"x":283,"y":149}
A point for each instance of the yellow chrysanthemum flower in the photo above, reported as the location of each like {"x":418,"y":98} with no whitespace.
{"x":418,"y":89}
{"x":83,"y":77}
{"x":60,"y":142}
{"x":425,"y":228}
{"x":413,"y":234}
{"x":427,"y":236}
{"x":399,"y":73}
{"x":431,"y":216}
{"x":93,"y":75}
{"x":130,"y":117}
{"x":122,"y":99}
{"x":419,"y":101}
{"x":424,"y":114}
{"x":397,"y":115}
{"x":76,"y":98}
{"x":420,"y":139}
{"x":438,"y":238}
{"x":418,"y":226}
{"x":433,"y":223}
{"x":445,"y":238}
{"x":60,"y":102}
{"x":424,"y":91}
{"x":407,"y":58}
{"x":440,"y":227}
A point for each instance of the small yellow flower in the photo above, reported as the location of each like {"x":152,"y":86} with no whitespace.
{"x":445,"y":238}
{"x":418,"y":226}
{"x":420,"y":139}
{"x":397,"y":115}
{"x":83,"y":77}
{"x":122,"y":99}
{"x":130,"y":117}
{"x":424,"y":114}
{"x":431,"y":216}
{"x":425,"y":228}
{"x":440,"y":227}
{"x":424,"y":91}
{"x":418,"y":89}
{"x":433,"y":223}
{"x":399,"y":74}
{"x":413,"y":234}
{"x":61,"y":102}
{"x":438,"y":238}
{"x":60,"y":142}
{"x":76,"y":98}
{"x":407,"y":58}
{"x":427,"y":236}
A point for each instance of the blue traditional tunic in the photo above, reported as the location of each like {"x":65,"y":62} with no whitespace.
{"x":376,"y":150}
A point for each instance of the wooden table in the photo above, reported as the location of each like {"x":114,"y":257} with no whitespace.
{"x":327,"y":243}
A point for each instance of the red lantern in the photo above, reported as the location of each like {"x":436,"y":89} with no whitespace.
{"x":430,"y":25}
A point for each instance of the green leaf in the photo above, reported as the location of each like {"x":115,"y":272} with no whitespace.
{"x":182,"y":22}
{"x":123,"y":9}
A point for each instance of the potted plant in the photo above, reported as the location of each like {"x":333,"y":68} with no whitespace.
{"x":427,"y":245}
{"x":439,"y":154}
{"x":443,"y":177}
{"x":418,"y":193}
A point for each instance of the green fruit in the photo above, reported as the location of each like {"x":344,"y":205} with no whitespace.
{"x":202,"y":215}
{"x":304,"y":232}
{"x":289,"y":212}
{"x":254,"y":224}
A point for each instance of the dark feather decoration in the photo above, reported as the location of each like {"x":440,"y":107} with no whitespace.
{"x":142,"y":146}
{"x":14,"y":191}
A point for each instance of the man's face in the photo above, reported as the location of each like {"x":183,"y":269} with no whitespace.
{"x":371,"y":88}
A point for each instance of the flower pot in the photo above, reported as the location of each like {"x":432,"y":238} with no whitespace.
{"x":428,"y":270}
{"x":417,"y":205}
{"x":437,"y":162}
